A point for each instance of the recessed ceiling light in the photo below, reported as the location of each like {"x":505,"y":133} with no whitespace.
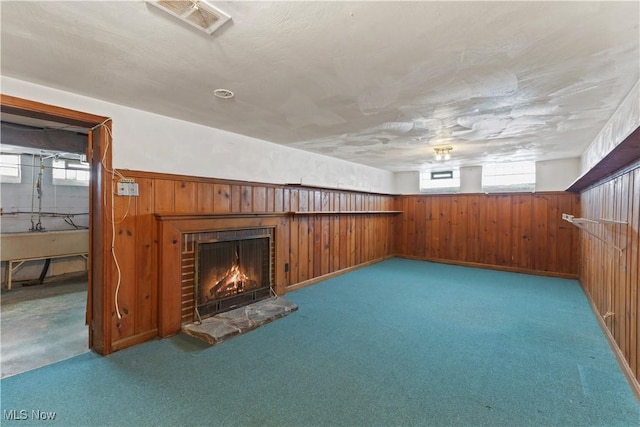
{"x":223,"y":93}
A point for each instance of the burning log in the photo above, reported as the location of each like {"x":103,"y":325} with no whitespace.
{"x":234,"y":282}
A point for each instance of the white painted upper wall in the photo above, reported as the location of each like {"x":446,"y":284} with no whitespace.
{"x":407,"y":182}
{"x":471,"y":179}
{"x":557,"y":175}
{"x":149,"y":142}
{"x":551,"y":175}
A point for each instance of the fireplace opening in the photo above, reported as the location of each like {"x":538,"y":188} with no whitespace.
{"x":232,"y":273}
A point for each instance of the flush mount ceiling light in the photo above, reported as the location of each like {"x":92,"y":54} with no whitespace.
{"x":443,"y":153}
{"x":197,"y":13}
{"x":223,"y":93}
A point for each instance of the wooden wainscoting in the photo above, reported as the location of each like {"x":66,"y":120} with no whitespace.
{"x":611,"y":277}
{"x":521,"y":232}
{"x":325,"y":230}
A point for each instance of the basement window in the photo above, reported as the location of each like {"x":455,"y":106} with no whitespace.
{"x":440,"y":181}
{"x":71,"y":172}
{"x":509,"y":177}
{"x":10,"y":168}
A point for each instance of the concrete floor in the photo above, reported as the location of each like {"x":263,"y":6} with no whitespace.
{"x":42,"y":324}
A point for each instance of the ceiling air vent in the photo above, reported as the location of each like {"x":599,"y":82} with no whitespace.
{"x":198,"y":13}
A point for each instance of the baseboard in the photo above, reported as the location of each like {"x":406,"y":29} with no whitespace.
{"x":624,"y":364}
{"x":492,"y":267}
{"x":315,"y":280}
{"x":136,"y":339}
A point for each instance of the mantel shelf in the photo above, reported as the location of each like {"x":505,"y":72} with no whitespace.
{"x":209,"y":215}
{"x":294,"y":213}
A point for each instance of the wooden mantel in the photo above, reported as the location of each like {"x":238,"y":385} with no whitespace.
{"x":172,"y":227}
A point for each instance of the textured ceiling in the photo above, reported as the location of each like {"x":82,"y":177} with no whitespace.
{"x":378,"y":83}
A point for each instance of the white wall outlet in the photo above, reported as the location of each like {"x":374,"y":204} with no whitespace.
{"x":122,"y":189}
{"x":125,"y":188}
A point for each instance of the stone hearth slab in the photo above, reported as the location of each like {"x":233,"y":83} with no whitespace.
{"x":222,"y":326}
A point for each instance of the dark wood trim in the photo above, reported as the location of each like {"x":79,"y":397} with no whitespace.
{"x":619,"y":160}
{"x":101,"y":232}
{"x":613,"y":176}
{"x":136,"y":339}
{"x":37,"y":110}
{"x":181,"y":217}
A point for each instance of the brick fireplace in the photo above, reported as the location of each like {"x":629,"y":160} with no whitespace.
{"x":222,"y":270}
{"x":185,"y":241}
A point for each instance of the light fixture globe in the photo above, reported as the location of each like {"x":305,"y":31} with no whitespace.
{"x":443,"y":153}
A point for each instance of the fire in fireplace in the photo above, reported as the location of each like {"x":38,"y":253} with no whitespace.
{"x":232,"y":273}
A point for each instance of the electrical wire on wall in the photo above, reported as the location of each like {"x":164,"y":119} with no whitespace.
{"x":112,"y":220}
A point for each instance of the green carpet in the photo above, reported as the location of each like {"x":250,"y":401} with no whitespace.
{"x":397,"y":343}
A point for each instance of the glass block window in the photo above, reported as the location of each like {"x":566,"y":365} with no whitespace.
{"x":509,"y":177}
{"x":10,"y":168}
{"x":70,"y":172}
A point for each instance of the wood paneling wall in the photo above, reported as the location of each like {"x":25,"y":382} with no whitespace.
{"x":333,"y":235}
{"x":515,"y":231}
{"x":609,"y":276}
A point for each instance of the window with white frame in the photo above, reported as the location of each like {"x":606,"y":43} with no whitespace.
{"x":70,"y":172}
{"x":10,"y":168}
{"x":509,"y":177}
{"x":440,"y":181}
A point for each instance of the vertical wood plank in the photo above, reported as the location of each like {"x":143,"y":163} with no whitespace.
{"x":146,"y":316}
{"x":505,"y":230}
{"x":163,"y":196}
{"x":411,"y":225}
{"x":221,"y":198}
{"x":125,"y":276}
{"x":259,"y":201}
{"x":420,"y":224}
{"x":326,"y":235}
{"x":316,"y":249}
{"x":435,"y":229}
{"x":271,"y":202}
{"x":185,"y":194}
{"x":521,"y":237}
{"x":294,"y":245}
{"x":205,"y":197}
{"x":335,"y":232}
{"x":554,"y":216}
{"x":279,"y":200}
{"x":246,"y":201}
{"x":344,"y":247}
{"x":236,"y":198}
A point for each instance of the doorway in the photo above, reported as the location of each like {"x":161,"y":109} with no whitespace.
{"x":44,"y":225}
{"x":97,"y":149}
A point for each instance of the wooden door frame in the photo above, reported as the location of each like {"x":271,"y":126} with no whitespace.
{"x":99,"y":156}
